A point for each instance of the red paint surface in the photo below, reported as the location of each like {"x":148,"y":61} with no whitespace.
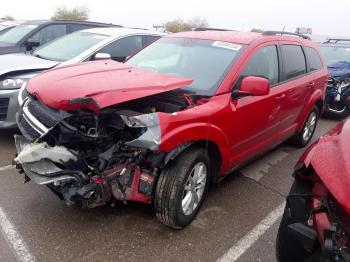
{"x":107,"y":82}
{"x":330,"y":158}
{"x":240,"y":128}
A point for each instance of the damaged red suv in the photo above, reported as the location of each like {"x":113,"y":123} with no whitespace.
{"x":180,"y":114}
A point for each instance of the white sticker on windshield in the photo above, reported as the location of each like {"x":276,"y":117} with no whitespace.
{"x":227,"y":45}
{"x":347,"y":49}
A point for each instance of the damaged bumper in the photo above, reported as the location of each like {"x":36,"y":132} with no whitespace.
{"x":42,"y":171}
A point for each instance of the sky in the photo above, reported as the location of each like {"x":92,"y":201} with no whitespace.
{"x":325,"y":17}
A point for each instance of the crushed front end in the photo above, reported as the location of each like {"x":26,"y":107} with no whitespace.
{"x":92,"y":158}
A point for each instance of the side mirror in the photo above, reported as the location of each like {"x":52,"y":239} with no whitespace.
{"x":31,"y":44}
{"x":126,"y":58}
{"x":253,"y":86}
{"x":102,"y":56}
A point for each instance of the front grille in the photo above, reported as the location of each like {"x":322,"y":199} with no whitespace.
{"x":26,"y":129}
{"x":4,"y":103}
{"x":40,"y":112}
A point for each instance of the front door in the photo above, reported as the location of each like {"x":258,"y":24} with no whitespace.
{"x":256,"y":120}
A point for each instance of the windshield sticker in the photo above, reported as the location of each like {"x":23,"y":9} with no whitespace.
{"x":347,"y":49}
{"x":227,"y":45}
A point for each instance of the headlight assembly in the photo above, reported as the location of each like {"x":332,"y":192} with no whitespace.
{"x":12,"y":83}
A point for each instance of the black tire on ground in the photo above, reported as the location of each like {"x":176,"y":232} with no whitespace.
{"x":170,"y":188}
{"x":288,"y":248}
{"x":299,"y":140}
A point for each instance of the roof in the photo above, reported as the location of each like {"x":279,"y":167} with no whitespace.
{"x":120,"y":31}
{"x":244,"y":38}
{"x":226,"y":36}
{"x":39,"y":22}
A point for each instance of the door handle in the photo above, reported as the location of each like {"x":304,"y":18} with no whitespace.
{"x":279,"y":97}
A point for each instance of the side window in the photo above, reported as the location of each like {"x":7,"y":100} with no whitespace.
{"x":313,"y":59}
{"x":264,"y":63}
{"x":49,"y":33}
{"x":77,"y":27}
{"x":122,"y":48}
{"x":294,"y":63}
{"x":149,"y":39}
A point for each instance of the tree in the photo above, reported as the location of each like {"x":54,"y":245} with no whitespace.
{"x":256,"y":30}
{"x":179,"y":25}
{"x":76,"y":13}
{"x":8,"y":18}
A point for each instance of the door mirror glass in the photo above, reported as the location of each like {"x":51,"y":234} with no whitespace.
{"x":31,"y":44}
{"x":253,"y":86}
{"x":102,"y":56}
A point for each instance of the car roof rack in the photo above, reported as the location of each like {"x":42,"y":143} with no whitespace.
{"x":336,"y":40}
{"x":211,"y":29}
{"x":285,"y":33}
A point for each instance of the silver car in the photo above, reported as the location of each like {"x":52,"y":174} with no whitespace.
{"x":86,"y":45}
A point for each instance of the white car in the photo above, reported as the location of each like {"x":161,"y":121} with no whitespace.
{"x":7,"y":25}
{"x":116,"y":43}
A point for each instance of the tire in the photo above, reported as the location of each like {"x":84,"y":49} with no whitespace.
{"x":288,"y":248}
{"x":171,"y":191}
{"x":301,"y":140}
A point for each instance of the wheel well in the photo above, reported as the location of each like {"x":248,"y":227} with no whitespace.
{"x":213,"y":152}
{"x":320,"y":105}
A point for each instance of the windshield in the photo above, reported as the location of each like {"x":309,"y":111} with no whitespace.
{"x":69,"y":46}
{"x":205,"y":61}
{"x":335,"y":53}
{"x":14,"y":35}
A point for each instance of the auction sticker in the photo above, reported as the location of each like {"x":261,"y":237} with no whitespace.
{"x":227,"y":45}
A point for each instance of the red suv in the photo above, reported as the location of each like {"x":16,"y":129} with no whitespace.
{"x":183,"y":112}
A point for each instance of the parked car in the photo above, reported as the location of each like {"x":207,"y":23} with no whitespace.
{"x":30,"y":35}
{"x":315,"y":225}
{"x":90,"y":44}
{"x":181,"y":113}
{"x":337,"y":53}
{"x":7,"y":25}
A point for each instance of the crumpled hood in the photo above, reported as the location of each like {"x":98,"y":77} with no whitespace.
{"x":330,"y":158}
{"x":339,"y":69}
{"x":99,"y":84}
{"x":12,"y":63}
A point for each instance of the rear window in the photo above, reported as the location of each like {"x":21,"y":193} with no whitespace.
{"x":313,"y":59}
{"x":294,"y":63}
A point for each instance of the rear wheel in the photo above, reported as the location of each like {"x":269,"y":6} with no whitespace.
{"x":181,"y":188}
{"x":305,"y":135}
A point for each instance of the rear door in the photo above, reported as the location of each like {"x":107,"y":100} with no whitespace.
{"x":296,"y":83}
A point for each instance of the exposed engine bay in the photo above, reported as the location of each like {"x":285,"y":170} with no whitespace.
{"x":92,"y":158}
{"x":338,"y":95}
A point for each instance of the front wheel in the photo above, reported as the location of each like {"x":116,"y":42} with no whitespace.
{"x":181,"y":188}
{"x":303,"y":137}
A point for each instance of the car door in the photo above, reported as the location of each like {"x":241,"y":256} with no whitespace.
{"x":256,"y":120}
{"x":121,"y":48}
{"x":296,"y":83}
{"x":46,"y":34}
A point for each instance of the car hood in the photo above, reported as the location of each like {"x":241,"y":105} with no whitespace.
{"x":99,"y":84}
{"x":13,"y":63}
{"x":330,"y":158}
{"x":6,"y":48}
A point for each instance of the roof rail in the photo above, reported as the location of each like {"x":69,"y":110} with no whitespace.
{"x":211,"y":29}
{"x":336,"y":40}
{"x":284,"y":33}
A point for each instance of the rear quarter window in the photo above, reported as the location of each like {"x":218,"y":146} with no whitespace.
{"x":313,"y":59}
{"x":294,"y":63}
